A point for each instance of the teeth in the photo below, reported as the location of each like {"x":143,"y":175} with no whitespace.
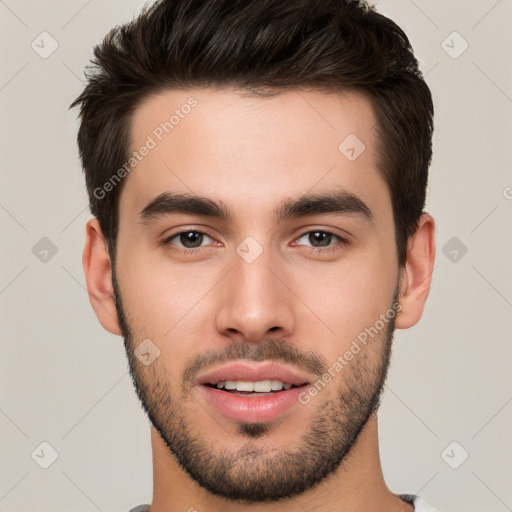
{"x":244,"y":386}
{"x":276,"y":385}
{"x":261,"y":386}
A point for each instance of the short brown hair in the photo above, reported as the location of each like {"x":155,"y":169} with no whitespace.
{"x":256,"y":46}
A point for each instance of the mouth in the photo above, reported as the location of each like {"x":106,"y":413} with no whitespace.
{"x":259,"y":388}
{"x":248,"y":392}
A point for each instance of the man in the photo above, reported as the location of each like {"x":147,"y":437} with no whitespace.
{"x":257,"y":174}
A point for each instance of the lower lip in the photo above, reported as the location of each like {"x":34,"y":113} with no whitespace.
{"x":252,"y":409}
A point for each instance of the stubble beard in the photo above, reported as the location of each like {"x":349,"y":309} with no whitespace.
{"x":253,"y":474}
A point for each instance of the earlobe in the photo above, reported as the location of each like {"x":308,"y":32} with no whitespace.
{"x":98,"y":276}
{"x":417,"y":274}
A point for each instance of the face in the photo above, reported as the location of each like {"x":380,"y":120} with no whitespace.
{"x":252,"y":247}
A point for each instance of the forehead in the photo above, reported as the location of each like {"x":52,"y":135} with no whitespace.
{"x":250,"y":150}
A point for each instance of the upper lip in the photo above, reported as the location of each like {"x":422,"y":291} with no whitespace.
{"x":250,"y":371}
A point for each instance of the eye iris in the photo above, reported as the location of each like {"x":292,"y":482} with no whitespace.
{"x":322,"y":237}
{"x":191,"y":239}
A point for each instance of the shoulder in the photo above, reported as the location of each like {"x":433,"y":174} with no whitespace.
{"x":420,"y":505}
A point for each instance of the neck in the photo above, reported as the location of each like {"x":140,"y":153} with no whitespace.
{"x":358,"y":485}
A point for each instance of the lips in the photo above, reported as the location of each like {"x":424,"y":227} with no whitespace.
{"x":250,"y":371}
{"x":252,"y":407}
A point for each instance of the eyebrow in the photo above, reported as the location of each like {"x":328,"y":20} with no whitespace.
{"x":168,"y":203}
{"x":337,"y":202}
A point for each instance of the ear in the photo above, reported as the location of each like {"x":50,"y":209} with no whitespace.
{"x":416,"y":275}
{"x":98,"y":276}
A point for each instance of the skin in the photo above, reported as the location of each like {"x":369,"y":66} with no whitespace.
{"x":251,"y":153}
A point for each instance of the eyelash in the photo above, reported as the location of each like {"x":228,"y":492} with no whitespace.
{"x":342,"y":242}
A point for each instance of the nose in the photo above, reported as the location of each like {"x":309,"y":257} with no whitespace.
{"x":255,"y":301}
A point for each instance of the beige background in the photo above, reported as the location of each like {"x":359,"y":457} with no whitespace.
{"x":64,"y":379}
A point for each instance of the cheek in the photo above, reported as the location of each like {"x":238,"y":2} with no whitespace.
{"x":163,"y":302}
{"x":350,"y":295}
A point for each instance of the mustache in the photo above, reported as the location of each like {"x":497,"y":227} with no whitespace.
{"x":272,"y":349}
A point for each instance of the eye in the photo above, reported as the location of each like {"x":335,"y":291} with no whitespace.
{"x":188,"y":239}
{"x":318,"y":239}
